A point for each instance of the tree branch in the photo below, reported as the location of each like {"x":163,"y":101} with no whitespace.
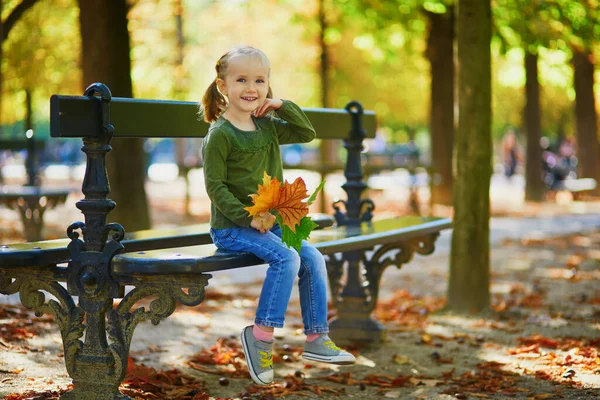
{"x":14,"y":16}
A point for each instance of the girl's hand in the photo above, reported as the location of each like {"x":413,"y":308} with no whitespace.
{"x":262,"y":222}
{"x":268,"y":105}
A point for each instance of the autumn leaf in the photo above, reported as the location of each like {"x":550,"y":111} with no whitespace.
{"x":267,"y":196}
{"x":291,"y":207}
{"x":294,"y":239}
{"x":288,"y":203}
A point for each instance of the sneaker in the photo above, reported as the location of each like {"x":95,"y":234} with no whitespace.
{"x":259,"y":356}
{"x":324,"y":350}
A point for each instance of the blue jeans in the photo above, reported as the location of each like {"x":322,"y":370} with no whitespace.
{"x":284,"y":265}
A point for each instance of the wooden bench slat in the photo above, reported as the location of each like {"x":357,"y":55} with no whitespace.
{"x":576,"y":185}
{"x":24,"y":191}
{"x":383,"y":231}
{"x":49,"y":252}
{"x":206,"y":258}
{"x":80,"y":116}
{"x":16,"y":144}
{"x":176,"y":261}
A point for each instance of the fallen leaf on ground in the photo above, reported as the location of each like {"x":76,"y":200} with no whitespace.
{"x":148,"y":383}
{"x":31,"y":394}
{"x":401,"y":359}
{"x":293,"y":384}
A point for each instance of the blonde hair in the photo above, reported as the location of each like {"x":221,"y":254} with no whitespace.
{"x":213,"y":101}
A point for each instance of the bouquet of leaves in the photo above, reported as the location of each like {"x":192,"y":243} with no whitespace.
{"x":286,"y":203}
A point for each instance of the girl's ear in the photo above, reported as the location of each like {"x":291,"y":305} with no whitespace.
{"x":222,"y":86}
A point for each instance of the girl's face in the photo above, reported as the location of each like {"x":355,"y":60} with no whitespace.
{"x":246,"y":85}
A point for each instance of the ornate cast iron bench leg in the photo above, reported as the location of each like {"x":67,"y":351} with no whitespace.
{"x":97,"y":367}
{"x":29,"y":284}
{"x":356,"y":300}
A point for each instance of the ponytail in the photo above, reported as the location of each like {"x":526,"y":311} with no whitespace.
{"x":213,"y":103}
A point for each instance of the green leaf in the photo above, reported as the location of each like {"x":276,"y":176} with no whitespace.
{"x":303,"y":230}
{"x":312,"y":198}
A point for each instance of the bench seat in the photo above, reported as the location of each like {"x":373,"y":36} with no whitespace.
{"x":575,"y":185}
{"x":50,"y":252}
{"x":206,"y":258}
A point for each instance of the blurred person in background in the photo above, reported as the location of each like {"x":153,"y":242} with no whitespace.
{"x":512,"y":153}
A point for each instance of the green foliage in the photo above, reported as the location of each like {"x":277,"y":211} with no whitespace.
{"x":549,"y":23}
{"x":376,"y":53}
{"x":550,"y":29}
{"x":303,"y":231}
{"x":313,"y":197}
{"x":41,"y":54}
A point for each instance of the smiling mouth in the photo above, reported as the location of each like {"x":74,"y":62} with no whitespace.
{"x":249,"y":98}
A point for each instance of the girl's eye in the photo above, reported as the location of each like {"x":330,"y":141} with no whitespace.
{"x":241,"y":80}
{"x":260,"y":81}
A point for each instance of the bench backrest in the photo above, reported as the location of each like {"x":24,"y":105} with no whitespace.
{"x":81,"y":116}
{"x":97,"y":117}
{"x":20,"y":144}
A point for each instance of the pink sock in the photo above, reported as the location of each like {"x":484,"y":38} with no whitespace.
{"x":312,"y":337}
{"x":262,"y":335}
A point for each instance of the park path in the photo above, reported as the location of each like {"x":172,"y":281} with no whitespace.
{"x":531,"y":263}
{"x":517,"y":270}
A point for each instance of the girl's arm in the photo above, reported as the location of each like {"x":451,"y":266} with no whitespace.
{"x":293,"y":126}
{"x":215,"y":148}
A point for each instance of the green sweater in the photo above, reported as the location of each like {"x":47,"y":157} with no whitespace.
{"x":235,"y":160}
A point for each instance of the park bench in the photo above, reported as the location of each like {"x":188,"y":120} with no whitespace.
{"x":32,"y":200}
{"x":576,"y":187}
{"x":173,"y":266}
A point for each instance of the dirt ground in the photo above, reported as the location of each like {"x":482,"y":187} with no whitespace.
{"x":541,"y":341}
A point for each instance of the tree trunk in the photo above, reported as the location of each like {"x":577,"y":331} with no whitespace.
{"x":328,"y":148}
{"x":181,"y":144}
{"x":441,"y":58}
{"x":468,"y":289}
{"x":105,"y":58}
{"x":32,"y":160}
{"x":534,"y":185}
{"x":585,"y":116}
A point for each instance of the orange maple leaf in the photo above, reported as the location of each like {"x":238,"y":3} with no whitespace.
{"x":290,"y":206}
{"x":267,"y":196}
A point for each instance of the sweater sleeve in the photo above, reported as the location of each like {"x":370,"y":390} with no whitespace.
{"x":215,"y":149}
{"x":293,"y":126}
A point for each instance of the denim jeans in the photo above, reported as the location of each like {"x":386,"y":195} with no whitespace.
{"x":284,"y":266}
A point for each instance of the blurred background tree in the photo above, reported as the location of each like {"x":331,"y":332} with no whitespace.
{"x":10,"y":13}
{"x":105,"y":57}
{"x":561,"y":29}
{"x":424,"y":28}
{"x":40,"y":58}
{"x":393,"y":56}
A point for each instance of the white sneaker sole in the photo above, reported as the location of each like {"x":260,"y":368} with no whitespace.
{"x":255,"y":377}
{"x":339,"y":360}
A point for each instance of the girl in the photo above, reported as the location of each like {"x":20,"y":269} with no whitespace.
{"x":243,"y":142}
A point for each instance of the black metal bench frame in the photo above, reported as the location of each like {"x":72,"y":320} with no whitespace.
{"x":98,"y":270}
